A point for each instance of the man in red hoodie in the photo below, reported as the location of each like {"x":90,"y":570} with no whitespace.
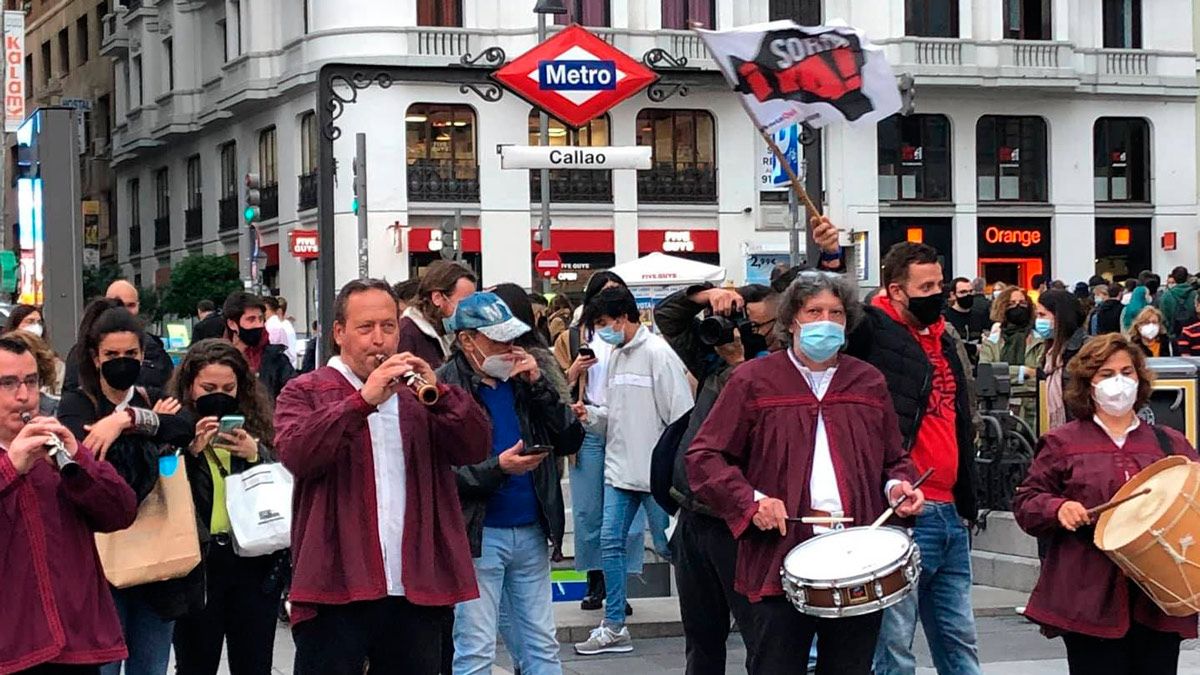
{"x":379,"y":545}
{"x":903,"y":335}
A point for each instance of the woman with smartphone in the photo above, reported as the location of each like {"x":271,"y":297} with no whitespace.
{"x":232,"y":414}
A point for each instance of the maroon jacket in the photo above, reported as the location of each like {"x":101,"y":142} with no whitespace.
{"x":321,"y":436}
{"x":417,"y":339}
{"x":57,"y":607}
{"x":1080,"y":590}
{"x":759,"y":436}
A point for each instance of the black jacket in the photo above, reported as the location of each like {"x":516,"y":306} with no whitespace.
{"x":545,"y":420}
{"x":1106,"y":318}
{"x":890,"y":347}
{"x":211,"y":326}
{"x":157,"y":366}
{"x":275,"y":370}
{"x":309,"y":363}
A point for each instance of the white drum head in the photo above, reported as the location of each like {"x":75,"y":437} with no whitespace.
{"x":844,"y":554}
{"x":1129,"y":521}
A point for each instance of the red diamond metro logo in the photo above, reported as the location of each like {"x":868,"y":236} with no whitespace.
{"x":575,"y":76}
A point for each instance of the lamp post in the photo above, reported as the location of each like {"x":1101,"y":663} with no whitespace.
{"x":542,"y":8}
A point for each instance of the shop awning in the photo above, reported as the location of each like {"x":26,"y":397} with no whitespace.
{"x":659,"y":269}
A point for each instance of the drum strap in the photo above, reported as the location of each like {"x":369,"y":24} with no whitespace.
{"x":1164,"y":441}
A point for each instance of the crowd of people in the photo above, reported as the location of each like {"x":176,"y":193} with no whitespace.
{"x":428,"y":455}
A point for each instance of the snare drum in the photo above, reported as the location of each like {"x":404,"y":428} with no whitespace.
{"x":851,"y":572}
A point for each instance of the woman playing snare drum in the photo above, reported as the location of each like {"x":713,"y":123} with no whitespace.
{"x":1108,"y":624}
{"x":802,"y":432}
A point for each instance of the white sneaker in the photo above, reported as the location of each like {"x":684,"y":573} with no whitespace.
{"x":605,"y":640}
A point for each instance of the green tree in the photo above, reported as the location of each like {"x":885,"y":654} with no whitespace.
{"x":196,"y":278}
{"x":150,"y":304}
{"x":97,"y":279}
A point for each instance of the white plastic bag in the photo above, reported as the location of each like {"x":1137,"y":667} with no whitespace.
{"x":259,"y":501}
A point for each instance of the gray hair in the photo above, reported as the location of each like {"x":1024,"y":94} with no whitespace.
{"x":809,"y":284}
{"x":978,"y":284}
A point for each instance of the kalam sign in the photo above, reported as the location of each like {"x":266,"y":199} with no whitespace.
{"x":575,"y":76}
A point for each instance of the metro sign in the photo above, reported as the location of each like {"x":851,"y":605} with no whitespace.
{"x":575,"y":76}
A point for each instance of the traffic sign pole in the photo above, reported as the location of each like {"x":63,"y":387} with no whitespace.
{"x":360,"y":161}
{"x":544,"y":139}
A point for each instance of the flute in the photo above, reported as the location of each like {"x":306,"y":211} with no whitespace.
{"x":426,"y":393}
{"x":56,"y":450}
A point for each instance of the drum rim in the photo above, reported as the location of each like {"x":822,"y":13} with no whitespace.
{"x":842,"y":582}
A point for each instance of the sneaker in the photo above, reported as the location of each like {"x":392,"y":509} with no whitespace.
{"x":604,"y":640}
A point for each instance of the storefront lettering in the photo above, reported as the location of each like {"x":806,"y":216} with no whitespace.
{"x":678,"y":242}
{"x":1023,"y":238}
{"x":577,"y":157}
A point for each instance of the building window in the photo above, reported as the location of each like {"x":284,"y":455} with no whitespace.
{"x":235,"y":8}
{"x":82,"y":48}
{"x":683,"y":156}
{"x":101,"y":12}
{"x":162,"y":208}
{"x":441,"y":157}
{"x":681,"y":14}
{"x":1123,"y":24}
{"x":135,"y":216}
{"x":103,"y":118}
{"x":193,"y":222}
{"x":803,"y":12}
{"x":1027,"y":19}
{"x":931,"y":18}
{"x":227,"y":206}
{"x":594,"y":13}
{"x":29,"y":76}
{"x":1122,"y":159}
{"x":138,"y":81}
{"x":444,"y":13}
{"x":304,"y":6}
{"x":268,"y":173}
{"x":309,"y":157}
{"x":46,"y":62}
{"x":64,"y":52}
{"x":1011,"y":158}
{"x":573,"y":185}
{"x":169,"y":56}
{"x":914,"y":158}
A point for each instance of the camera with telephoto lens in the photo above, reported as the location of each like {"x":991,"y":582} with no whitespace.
{"x":716,"y":330}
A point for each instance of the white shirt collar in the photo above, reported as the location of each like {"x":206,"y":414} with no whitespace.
{"x":818,"y":380}
{"x":1119,"y":439}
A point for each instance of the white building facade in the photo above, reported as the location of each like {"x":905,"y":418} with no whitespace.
{"x":1035,"y":145}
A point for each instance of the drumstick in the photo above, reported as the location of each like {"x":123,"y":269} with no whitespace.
{"x":892,"y":509}
{"x":820,"y":520}
{"x":1114,"y":503}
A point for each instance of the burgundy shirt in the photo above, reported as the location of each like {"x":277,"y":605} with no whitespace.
{"x":1080,"y":589}
{"x":57,"y":607}
{"x":760,"y":435}
{"x":322,"y":437}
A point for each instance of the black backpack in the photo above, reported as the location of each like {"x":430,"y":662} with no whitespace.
{"x":1185,"y":313}
{"x":662,"y":462}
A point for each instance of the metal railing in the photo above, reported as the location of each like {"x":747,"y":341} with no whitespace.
{"x":269,"y":206}
{"x":574,"y":185}
{"x":938,"y":52}
{"x":443,"y":180}
{"x":193,"y":223}
{"x":443,"y":42}
{"x":162,"y":231}
{"x":687,"y":182}
{"x":227,"y":213}
{"x":308,"y":191}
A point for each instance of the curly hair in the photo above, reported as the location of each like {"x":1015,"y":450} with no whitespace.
{"x":1000,"y":304}
{"x":42,"y":353}
{"x":807,"y":285}
{"x":253,"y":402}
{"x":1077,"y":391}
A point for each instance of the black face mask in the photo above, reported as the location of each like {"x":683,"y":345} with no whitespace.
{"x":121,"y":373}
{"x":965,"y":302}
{"x":753,"y":344}
{"x":217,"y":404}
{"x":251,"y":337}
{"x":927,"y":309}
{"x":1017,"y":316}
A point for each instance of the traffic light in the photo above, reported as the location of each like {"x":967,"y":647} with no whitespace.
{"x":359,"y":176}
{"x":252,"y":212}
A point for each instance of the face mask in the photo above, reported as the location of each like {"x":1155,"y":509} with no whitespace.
{"x":1100,"y":299}
{"x":612,"y":336}
{"x":35,"y":328}
{"x":995,"y":294}
{"x":753,"y":344}
{"x":964,"y":302}
{"x":217,"y":404}
{"x":1017,"y":316}
{"x":1149,"y":331}
{"x":121,"y":373}
{"x":819,"y":340}
{"x":250,"y":337}
{"x":1043,"y":328}
{"x":1115,"y":395}
{"x":927,"y":309}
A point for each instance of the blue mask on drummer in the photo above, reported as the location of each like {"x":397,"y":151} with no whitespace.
{"x":819,"y":340}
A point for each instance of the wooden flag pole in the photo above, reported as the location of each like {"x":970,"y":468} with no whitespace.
{"x":797,"y":186}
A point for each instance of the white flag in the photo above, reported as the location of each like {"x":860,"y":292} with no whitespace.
{"x":788,"y":74}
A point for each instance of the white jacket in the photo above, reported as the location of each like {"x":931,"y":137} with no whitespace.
{"x":647,"y":390}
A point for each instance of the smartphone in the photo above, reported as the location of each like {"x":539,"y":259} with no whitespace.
{"x":228,"y":425}
{"x":536,"y":450}
{"x":587,"y":352}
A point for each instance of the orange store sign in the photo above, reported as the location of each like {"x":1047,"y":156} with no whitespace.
{"x":1004,"y":235}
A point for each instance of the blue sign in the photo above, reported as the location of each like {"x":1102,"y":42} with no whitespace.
{"x":577,"y":75}
{"x":760,"y":265}
{"x":787,"y":140}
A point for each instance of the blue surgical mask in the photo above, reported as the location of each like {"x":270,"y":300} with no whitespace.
{"x":1043,"y":328}
{"x":611,"y":335}
{"x":819,"y":340}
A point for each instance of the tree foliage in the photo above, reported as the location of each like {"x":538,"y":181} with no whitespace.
{"x":97,"y":279}
{"x":196,"y":278}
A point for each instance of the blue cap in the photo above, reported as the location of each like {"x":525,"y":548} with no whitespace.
{"x":487,"y":313}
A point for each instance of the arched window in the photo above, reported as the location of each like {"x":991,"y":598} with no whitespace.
{"x":683,"y":155}
{"x":1122,"y":159}
{"x":914,"y":158}
{"x":1010,"y":159}
{"x":573,"y":185}
{"x":309,"y":158}
{"x":268,"y":173}
{"x":442,"y":163}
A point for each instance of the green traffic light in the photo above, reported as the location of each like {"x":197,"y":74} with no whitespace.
{"x":354,"y":206}
{"x":251,"y":214}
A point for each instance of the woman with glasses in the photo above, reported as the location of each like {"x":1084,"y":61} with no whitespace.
{"x":214,"y":381}
{"x":1018,"y":341}
{"x":132,"y":429}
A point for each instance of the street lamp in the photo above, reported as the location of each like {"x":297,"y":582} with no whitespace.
{"x":542,"y":8}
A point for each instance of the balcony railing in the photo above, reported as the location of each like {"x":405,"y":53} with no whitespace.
{"x":308,"y":191}
{"x":269,"y":206}
{"x":193,"y":223}
{"x":574,"y":185}
{"x":162,"y":231}
{"x":135,"y":239}
{"x":133,"y":5}
{"x":443,"y":180}
{"x":227,"y":213}
{"x":686,"y":182}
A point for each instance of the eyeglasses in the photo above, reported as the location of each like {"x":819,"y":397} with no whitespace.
{"x":11,"y":384}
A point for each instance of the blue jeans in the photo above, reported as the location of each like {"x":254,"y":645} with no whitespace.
{"x":620,"y":507}
{"x":942,"y":598}
{"x":147,"y":635}
{"x":587,"y":510}
{"x":515,"y":565}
